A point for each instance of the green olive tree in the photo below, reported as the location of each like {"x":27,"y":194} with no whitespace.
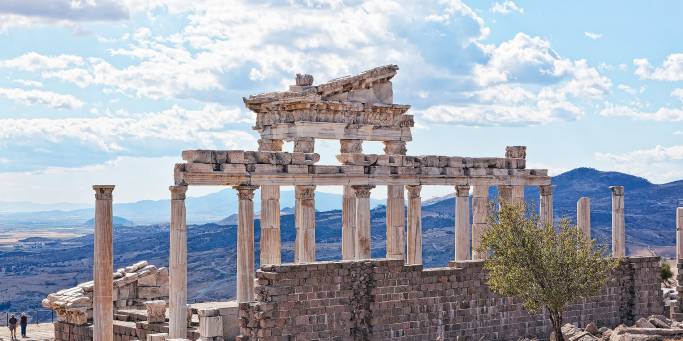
{"x":545,"y":268}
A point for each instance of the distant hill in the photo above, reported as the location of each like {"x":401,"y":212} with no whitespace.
{"x":117,"y":221}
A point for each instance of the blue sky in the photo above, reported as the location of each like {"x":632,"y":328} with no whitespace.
{"x":112,"y":91}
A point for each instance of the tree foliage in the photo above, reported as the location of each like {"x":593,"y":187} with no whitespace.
{"x":544,"y":267}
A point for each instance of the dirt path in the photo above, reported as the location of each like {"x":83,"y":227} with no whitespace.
{"x":42,"y":331}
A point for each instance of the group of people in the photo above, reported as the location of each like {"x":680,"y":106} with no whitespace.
{"x":23,"y":323}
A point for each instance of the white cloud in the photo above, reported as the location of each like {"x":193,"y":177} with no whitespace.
{"x":29,"y":83}
{"x":506,"y":7}
{"x":670,"y":70}
{"x":47,"y":98}
{"x":58,"y":12}
{"x":592,"y":35}
{"x":663,"y":114}
{"x":627,"y":89}
{"x":658,"y":153}
{"x":660,"y":164}
{"x":33,"y":61}
{"x":678,"y":93}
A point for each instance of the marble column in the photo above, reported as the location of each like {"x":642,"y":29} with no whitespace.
{"x":517,"y":195}
{"x":546,"y":203}
{"x":177,"y":263}
{"x":679,"y":233}
{"x":504,"y":194}
{"x":270,"y":245}
{"x":270,"y":225}
{"x":304,"y":210}
{"x":583,"y":216}
{"x":363,"y":226}
{"x":396,"y":222}
{"x":462,"y":222}
{"x":414,"y":252}
{"x":480,"y":217}
{"x":618,"y":223}
{"x":245,"y":243}
{"x":348,"y":224}
{"x":103,"y":265}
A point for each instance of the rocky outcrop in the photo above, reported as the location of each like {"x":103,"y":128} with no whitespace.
{"x":653,"y":328}
{"x":133,"y":285}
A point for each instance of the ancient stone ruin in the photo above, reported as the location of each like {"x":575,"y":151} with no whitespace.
{"x":357,"y":297}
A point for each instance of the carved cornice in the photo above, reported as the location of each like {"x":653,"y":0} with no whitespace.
{"x":546,"y":190}
{"x":617,"y":190}
{"x":103,"y":192}
{"x":304,"y":192}
{"x":178,"y":192}
{"x":245,"y":192}
{"x":462,"y":191}
{"x":413,"y":191}
{"x":363,"y":191}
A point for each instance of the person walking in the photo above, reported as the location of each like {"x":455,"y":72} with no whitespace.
{"x":13,"y":327}
{"x":23,"y":323}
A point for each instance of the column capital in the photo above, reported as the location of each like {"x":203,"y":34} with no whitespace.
{"x":269,"y":145}
{"x":480,"y":191}
{"x":178,"y":192}
{"x":304,"y":145}
{"x":515,"y":152}
{"x":362,"y":191}
{"x":103,"y":192}
{"x":395,"y":147}
{"x":462,"y":190}
{"x":305,"y":192}
{"x":617,"y":190}
{"x":546,"y":189}
{"x":414,"y":191}
{"x":245,"y":192}
{"x":351,"y":146}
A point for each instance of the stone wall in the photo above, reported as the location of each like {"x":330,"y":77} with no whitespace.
{"x":383,"y":299}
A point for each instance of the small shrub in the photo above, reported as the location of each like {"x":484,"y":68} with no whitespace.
{"x":665,"y":271}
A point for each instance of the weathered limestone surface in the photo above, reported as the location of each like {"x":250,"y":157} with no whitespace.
{"x":348,"y":224}
{"x":395,"y":221}
{"x":414,"y":247}
{"x":679,"y":233}
{"x":245,"y":243}
{"x":583,"y":216}
{"x":103,"y":265}
{"x":270,"y":225}
{"x":463,"y":234}
{"x":618,"y":224}
{"x":505,"y":194}
{"x":384,"y":299}
{"x":363,"y":225}
{"x":177,"y":260}
{"x":304,"y":210}
{"x":156,"y":311}
{"x":480,"y":217}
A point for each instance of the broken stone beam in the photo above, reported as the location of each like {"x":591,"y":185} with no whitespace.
{"x":348,"y":224}
{"x":618,"y":223}
{"x":177,"y":285}
{"x":363,"y":226}
{"x":480,"y":216}
{"x":304,"y":210}
{"x":546,"y":203}
{"x":245,"y":243}
{"x":462,"y":223}
{"x":103,"y":266}
{"x":414,"y":249}
{"x":583,"y":216}
{"x":395,"y":222}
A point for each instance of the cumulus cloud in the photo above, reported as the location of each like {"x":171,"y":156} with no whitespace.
{"x":627,"y":89}
{"x":663,"y":114}
{"x":33,"y":62}
{"x":79,"y":10}
{"x":678,"y":93}
{"x":47,"y":98}
{"x":660,"y":164}
{"x":670,"y":70}
{"x":506,"y":7}
{"x":79,"y":141}
{"x":593,"y":35}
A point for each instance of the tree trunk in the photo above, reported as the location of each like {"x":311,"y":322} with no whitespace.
{"x":556,"y":320}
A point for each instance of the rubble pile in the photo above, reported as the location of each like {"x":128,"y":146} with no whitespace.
{"x":653,"y":328}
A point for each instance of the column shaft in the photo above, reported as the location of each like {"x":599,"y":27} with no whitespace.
{"x":679,"y":233}
{"x":462,"y":223}
{"x":504,"y":194}
{"x":270,"y":225}
{"x":177,"y":261}
{"x":103,"y":266}
{"x":414,"y":252}
{"x":618,"y":223}
{"x":396,"y":222}
{"x":363,"y":226}
{"x":480,"y":217}
{"x":348,"y":224}
{"x":517,"y":194}
{"x":546,"y":204}
{"x":583,"y":216}
{"x":245,"y":243}
{"x":304,"y":248}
